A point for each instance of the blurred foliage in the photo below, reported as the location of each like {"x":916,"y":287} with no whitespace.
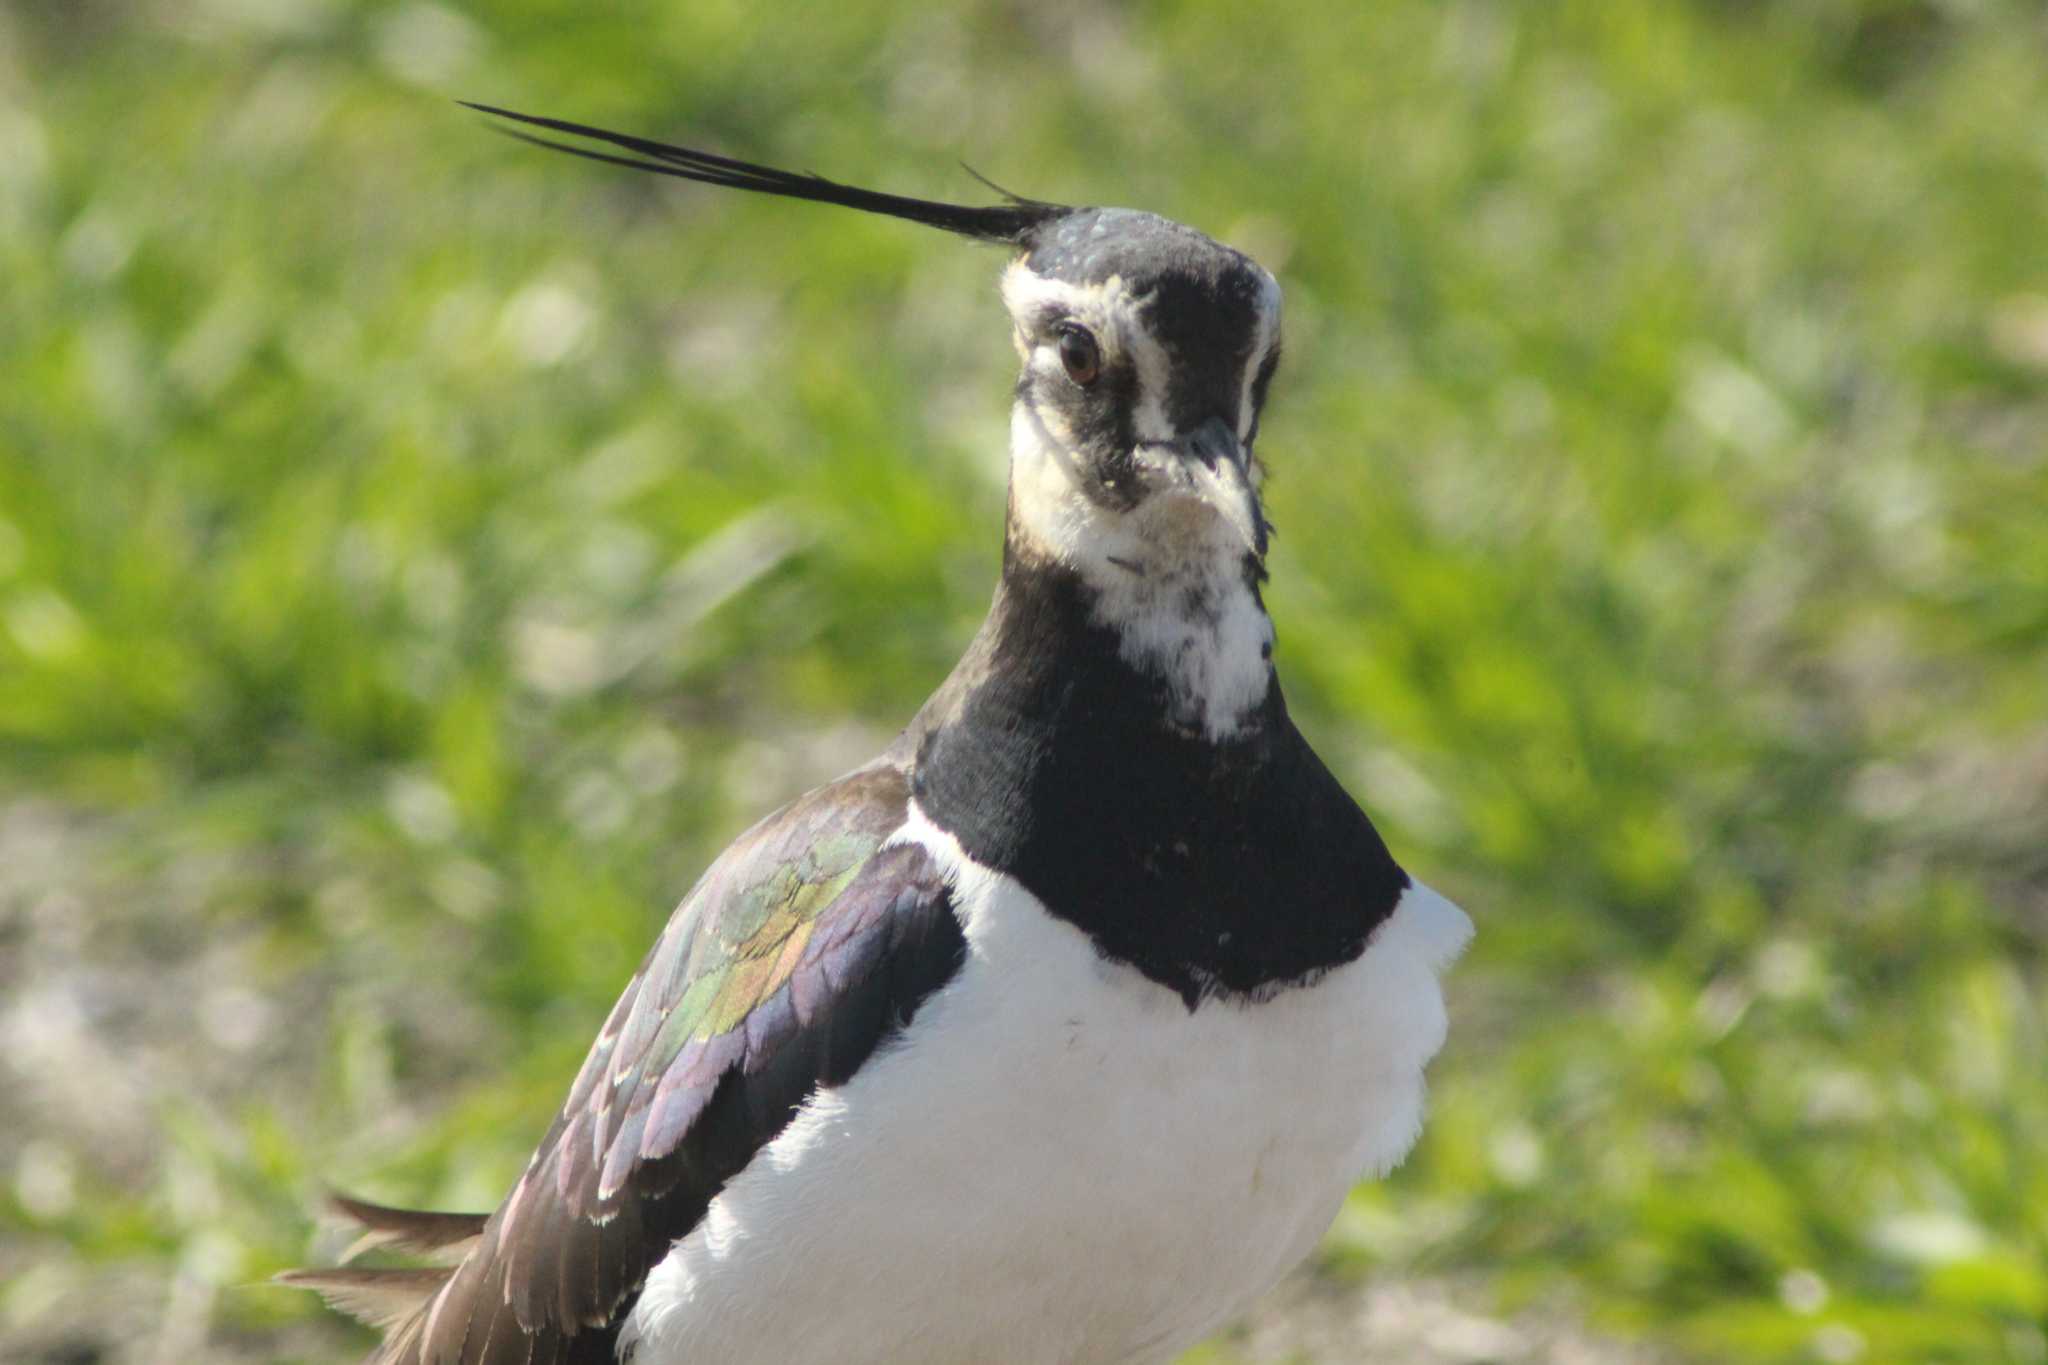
{"x":419,"y":554}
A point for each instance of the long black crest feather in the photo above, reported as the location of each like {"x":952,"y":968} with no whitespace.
{"x":1011,"y":223}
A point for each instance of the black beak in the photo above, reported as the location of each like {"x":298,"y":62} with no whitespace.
{"x":1219,"y":467}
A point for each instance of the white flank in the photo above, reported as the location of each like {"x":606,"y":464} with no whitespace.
{"x":1058,"y":1162}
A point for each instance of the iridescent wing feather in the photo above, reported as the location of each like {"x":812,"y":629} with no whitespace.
{"x":804,"y":946}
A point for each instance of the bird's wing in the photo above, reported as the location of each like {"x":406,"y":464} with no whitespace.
{"x":805,"y":945}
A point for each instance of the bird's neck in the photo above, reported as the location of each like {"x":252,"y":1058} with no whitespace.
{"x":1197,"y":631}
{"x":1062,"y":672}
{"x":1224,"y":863}
{"x":1185,"y":637}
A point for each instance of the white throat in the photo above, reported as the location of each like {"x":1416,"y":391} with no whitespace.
{"x":1168,"y":577}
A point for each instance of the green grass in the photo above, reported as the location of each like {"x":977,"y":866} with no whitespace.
{"x":419,"y":554}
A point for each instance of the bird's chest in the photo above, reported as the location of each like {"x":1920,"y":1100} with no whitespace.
{"x":1161,"y":1167}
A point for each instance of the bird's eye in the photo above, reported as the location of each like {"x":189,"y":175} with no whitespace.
{"x":1080,"y":354}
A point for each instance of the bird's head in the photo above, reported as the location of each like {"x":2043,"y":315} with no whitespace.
{"x":1147,"y":350}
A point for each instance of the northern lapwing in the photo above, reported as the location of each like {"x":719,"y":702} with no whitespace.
{"x":1057,"y":1032}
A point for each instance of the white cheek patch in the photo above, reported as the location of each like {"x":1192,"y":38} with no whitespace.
{"x":1027,"y":294}
{"x":1148,"y":418}
{"x":1050,"y":513}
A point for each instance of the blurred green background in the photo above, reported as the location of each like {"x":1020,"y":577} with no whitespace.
{"x":419,"y":554}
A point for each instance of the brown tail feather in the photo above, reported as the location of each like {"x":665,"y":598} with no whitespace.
{"x":405,"y":1229}
{"x":392,"y":1300}
{"x":381,"y":1298}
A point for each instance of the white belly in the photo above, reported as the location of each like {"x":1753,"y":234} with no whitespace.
{"x":1061,"y":1164}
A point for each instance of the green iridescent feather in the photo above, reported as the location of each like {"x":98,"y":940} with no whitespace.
{"x":756,"y":939}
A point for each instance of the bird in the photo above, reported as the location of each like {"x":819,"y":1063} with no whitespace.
{"x":1060,"y":1030}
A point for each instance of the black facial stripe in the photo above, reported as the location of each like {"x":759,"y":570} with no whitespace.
{"x":1099,"y":420}
{"x":1208,"y":325}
